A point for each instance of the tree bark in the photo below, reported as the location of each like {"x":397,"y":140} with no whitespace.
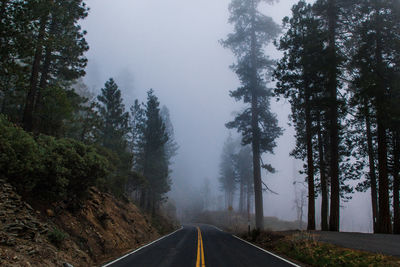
{"x":396,"y":184}
{"x":241,"y":196}
{"x":334,"y":218}
{"x":324,"y":185}
{"x":255,"y":130}
{"x":45,"y":71}
{"x":384,"y":209}
{"x":384,"y":223}
{"x":372,"y":171}
{"x":310,"y":164}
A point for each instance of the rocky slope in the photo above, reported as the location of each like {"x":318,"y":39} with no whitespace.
{"x":103,"y":228}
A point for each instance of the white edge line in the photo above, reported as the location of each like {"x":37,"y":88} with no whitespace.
{"x":130,"y":253}
{"x":285,"y":260}
{"x":216,"y":228}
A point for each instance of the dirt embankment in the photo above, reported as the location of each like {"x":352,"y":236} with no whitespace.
{"x":50,"y":235}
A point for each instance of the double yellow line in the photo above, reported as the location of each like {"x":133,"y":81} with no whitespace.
{"x":200,"y":250}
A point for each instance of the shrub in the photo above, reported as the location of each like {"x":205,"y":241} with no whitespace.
{"x":20,"y":156}
{"x":51,"y":168}
{"x":56,"y":236}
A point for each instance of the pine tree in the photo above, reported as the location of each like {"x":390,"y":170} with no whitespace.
{"x":171,"y":147}
{"x":374,"y":66}
{"x":227,"y":178}
{"x":258,"y":126}
{"x":114,"y":127}
{"x":301,"y":77}
{"x":59,"y":45}
{"x":243,"y":161}
{"x":155,"y":158}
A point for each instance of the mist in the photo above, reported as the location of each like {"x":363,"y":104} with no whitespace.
{"x":173,"y":47}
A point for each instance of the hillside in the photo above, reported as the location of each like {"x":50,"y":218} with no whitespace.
{"x":47,"y":234}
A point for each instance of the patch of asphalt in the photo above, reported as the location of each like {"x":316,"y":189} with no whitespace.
{"x":377,"y":243}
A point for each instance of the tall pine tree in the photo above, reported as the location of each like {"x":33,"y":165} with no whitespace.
{"x":257,"y":124}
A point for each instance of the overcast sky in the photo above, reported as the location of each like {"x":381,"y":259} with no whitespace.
{"x":172,"y":46}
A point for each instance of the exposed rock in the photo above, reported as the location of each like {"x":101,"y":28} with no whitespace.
{"x":23,"y":239}
{"x":50,"y":213}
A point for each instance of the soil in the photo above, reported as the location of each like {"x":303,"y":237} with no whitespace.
{"x":102,"y":229}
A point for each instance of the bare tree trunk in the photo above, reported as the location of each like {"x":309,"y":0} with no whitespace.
{"x":384,"y":209}
{"x":241,"y":196}
{"x":248,"y":206}
{"x":372,"y":171}
{"x":396,"y":184}
{"x":384,"y":223}
{"x":334,"y":218}
{"x":324,"y":185}
{"x":310,"y":165}
{"x":256,"y":131}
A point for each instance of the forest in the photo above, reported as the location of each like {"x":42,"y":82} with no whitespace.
{"x":340,"y":73}
{"x":57,"y":137}
{"x":339,"y":70}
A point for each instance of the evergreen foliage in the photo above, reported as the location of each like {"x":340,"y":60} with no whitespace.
{"x":253,"y":31}
{"x":50,"y":168}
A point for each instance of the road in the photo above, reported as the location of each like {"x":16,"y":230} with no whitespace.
{"x":199,"y":246}
{"x":376,"y":243}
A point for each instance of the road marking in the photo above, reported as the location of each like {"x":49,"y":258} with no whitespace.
{"x":200,"y":250}
{"x":130,"y":253}
{"x":270,"y":253}
{"x":216,"y":227}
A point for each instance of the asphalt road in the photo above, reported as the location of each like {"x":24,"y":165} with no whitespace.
{"x":376,"y":243}
{"x":199,"y":246}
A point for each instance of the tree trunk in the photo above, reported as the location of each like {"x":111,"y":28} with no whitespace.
{"x":324,"y":185}
{"x":384,"y":223}
{"x":256,"y":131}
{"x":310,"y":165}
{"x":334,"y":218}
{"x":396,"y":184}
{"x":45,"y":70}
{"x":27,"y":119}
{"x":241,"y":196}
{"x":42,"y":86}
{"x":372,"y":171}
{"x":248,"y":206}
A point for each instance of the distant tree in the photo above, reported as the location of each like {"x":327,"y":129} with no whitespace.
{"x":137,"y":124}
{"x":206,"y":194}
{"x":227,"y":178}
{"x":259,"y":127}
{"x":171,"y":147}
{"x":243,"y":161}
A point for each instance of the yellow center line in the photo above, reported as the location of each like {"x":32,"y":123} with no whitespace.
{"x":200,"y":250}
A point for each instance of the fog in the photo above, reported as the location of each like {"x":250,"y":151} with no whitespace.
{"x":172,"y":46}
